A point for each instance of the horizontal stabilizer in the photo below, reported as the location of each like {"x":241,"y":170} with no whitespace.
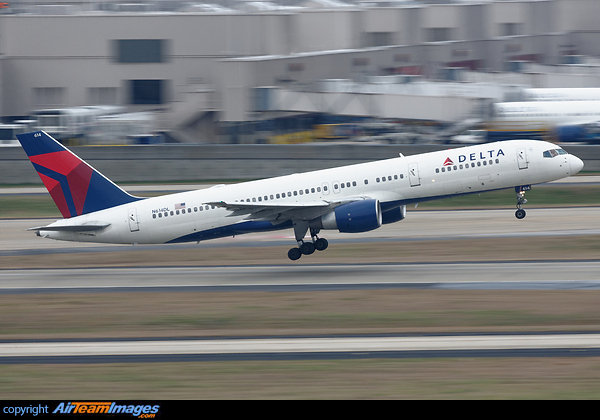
{"x":73,"y":228}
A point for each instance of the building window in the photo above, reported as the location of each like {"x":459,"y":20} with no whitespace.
{"x":129,"y":51}
{"x":147,"y":92}
{"x":102,"y":95}
{"x":48,"y":96}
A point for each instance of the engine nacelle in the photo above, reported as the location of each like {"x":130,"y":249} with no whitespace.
{"x":355,"y":217}
{"x":394,"y":215}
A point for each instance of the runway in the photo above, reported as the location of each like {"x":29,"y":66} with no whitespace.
{"x":570,"y":275}
{"x":420,"y":228}
{"x":301,"y":348}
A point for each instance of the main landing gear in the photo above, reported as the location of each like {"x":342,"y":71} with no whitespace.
{"x":520,"y":213}
{"x":306,"y":248}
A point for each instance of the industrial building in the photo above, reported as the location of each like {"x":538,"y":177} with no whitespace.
{"x":233,"y":71}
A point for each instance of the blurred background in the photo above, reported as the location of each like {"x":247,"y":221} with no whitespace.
{"x":396,"y":72}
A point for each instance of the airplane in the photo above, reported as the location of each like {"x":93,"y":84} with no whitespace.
{"x":570,"y":120}
{"x":561,"y":94}
{"x":355,"y":198}
{"x":555,"y":112}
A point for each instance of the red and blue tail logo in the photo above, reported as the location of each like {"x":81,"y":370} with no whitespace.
{"x":75,"y":186}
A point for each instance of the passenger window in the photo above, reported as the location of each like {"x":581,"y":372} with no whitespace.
{"x":437,"y":170}
{"x":154,"y":216}
{"x":354,"y":183}
{"x":366,"y":182}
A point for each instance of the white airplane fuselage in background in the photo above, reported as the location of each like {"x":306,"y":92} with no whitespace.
{"x":553,"y":113}
{"x":562,"y":94}
{"x":355,"y":198}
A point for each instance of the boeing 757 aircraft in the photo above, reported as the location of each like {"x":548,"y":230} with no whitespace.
{"x":355,"y":198}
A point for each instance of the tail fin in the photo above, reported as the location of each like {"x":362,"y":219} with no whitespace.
{"x":75,"y":186}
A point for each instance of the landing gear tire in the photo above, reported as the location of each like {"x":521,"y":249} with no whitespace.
{"x":519,"y":214}
{"x":307,"y":248}
{"x":321,"y":244}
{"x":294,"y":254}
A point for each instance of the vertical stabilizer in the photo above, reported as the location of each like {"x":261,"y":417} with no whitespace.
{"x":75,"y":186}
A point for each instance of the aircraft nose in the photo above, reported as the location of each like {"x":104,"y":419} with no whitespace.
{"x":576,"y":164}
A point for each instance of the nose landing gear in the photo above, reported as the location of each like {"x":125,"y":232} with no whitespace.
{"x":520,"y":213}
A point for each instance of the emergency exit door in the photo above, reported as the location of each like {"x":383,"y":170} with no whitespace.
{"x":413,"y":174}
{"x":134,"y":223}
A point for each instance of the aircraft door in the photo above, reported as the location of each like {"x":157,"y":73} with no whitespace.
{"x":413,"y":174}
{"x":522,"y":159}
{"x":134,"y":223}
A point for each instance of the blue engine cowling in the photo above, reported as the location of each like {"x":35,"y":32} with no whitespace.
{"x":393,"y":215}
{"x":355,"y":217}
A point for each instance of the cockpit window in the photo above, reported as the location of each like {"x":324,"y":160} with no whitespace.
{"x":554,"y":152}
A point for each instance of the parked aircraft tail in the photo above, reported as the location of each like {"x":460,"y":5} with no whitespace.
{"x":75,"y":186}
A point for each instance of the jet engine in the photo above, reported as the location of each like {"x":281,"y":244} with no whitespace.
{"x":355,"y":217}
{"x":394,"y":215}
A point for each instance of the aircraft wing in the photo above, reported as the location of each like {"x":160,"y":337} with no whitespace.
{"x":281,"y":211}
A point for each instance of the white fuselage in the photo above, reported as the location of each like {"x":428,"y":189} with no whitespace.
{"x":551,"y":113}
{"x":394,"y":182}
{"x":562,"y":94}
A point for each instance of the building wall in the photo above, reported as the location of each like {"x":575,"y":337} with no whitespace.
{"x":67,"y":60}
